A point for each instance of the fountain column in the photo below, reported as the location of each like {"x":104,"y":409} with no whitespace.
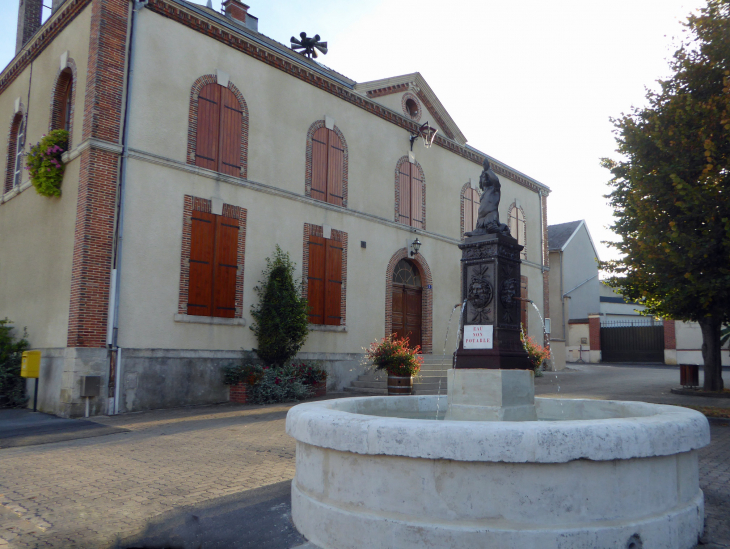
{"x":492,"y":377}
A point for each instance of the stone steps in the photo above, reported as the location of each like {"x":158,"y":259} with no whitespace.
{"x":431,"y":380}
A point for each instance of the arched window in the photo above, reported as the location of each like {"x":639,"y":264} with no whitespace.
{"x":326,"y":169}
{"x":517,"y":226}
{"x":218,"y":142}
{"x":410,"y":194}
{"x":405,"y":272}
{"x":16,"y":144}
{"x":469,"y":208}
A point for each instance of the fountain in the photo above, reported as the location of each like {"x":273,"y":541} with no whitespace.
{"x":500,"y":468}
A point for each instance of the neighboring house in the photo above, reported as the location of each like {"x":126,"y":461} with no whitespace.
{"x":574,"y":288}
{"x":615,"y":309}
{"x":197,"y":145}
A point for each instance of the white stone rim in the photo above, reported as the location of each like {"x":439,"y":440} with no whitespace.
{"x":670,"y":430}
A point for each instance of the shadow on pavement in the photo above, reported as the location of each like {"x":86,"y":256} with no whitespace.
{"x":22,"y":427}
{"x":259,"y":518}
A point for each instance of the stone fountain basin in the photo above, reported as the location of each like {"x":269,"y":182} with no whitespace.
{"x":590,"y":473}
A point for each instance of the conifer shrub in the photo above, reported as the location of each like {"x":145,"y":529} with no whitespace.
{"x":280,"y":318}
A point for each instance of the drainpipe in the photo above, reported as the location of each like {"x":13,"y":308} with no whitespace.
{"x":113,"y":323}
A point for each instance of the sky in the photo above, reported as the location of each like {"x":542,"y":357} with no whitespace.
{"x":531,"y":83}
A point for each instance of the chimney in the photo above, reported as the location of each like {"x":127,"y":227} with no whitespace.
{"x":235,"y":9}
{"x":29,"y":21}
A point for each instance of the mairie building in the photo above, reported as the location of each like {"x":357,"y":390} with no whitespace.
{"x":197,"y":145}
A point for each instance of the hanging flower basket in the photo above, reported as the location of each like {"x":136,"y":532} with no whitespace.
{"x":45,"y":165}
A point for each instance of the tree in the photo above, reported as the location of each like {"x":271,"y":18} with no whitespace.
{"x":280,"y":319}
{"x":671,"y":190}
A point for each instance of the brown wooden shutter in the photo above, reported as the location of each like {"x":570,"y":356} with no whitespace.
{"x":333,"y":283}
{"x":225,"y":267}
{"x":316,"y":278}
{"x":207,"y":139}
{"x":64,"y":104}
{"x":416,"y":197}
{"x":335,"y":169}
{"x":230,"y":134}
{"x":475,"y":207}
{"x":404,"y":188}
{"x":200,"y":287}
{"x":320,"y":146}
{"x":523,"y":304}
{"x":468,"y":212}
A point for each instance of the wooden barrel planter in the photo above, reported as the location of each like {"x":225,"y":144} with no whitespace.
{"x":238,"y":393}
{"x":320,"y":389}
{"x":400,"y":385}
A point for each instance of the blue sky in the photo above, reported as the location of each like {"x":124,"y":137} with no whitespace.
{"x":531,"y":83}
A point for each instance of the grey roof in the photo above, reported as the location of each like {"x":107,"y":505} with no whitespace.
{"x":558,"y":235}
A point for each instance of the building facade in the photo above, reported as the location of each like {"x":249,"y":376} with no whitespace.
{"x":197,"y":146}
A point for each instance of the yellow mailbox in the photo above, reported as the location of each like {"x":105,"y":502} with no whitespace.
{"x":31,"y":364}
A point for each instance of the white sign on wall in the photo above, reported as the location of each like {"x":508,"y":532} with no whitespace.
{"x":478,"y":337}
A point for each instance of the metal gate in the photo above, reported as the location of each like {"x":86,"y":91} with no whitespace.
{"x":624,"y":342}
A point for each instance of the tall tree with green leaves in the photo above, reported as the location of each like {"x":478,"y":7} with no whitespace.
{"x":671,"y":189}
{"x":280,"y":319}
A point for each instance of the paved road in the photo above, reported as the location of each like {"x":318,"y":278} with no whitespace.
{"x":218,"y":476}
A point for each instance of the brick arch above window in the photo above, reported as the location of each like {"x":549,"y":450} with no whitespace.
{"x":195,"y":90}
{"x":469,"y":208}
{"x":427,"y":297}
{"x":410,"y":193}
{"x":326,"y":164}
{"x":62,"y":102}
{"x":17,"y":120}
{"x":518,"y":227}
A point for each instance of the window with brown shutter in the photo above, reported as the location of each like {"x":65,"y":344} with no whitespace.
{"x":470,"y":205}
{"x":218,"y":139}
{"x":213,"y":265}
{"x":324,"y":281}
{"x":411,"y":199}
{"x":517,"y":227}
{"x":328,"y":158}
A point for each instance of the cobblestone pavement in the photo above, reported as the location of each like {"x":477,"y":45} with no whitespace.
{"x":715,"y":482}
{"x":90,"y":492}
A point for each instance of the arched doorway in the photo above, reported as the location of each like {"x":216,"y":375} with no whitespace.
{"x":407,"y":302}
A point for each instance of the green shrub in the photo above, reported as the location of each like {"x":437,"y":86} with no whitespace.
{"x":12,"y":386}
{"x":280,"y":318}
{"x":45,"y":165}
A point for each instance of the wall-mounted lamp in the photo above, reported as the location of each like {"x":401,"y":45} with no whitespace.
{"x":425,"y":132}
{"x":415,"y":245}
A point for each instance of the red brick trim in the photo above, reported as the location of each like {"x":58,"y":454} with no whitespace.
{"x":66,"y":13}
{"x":337,"y":236}
{"x":237,"y":42}
{"x":594,"y":333}
{"x":92,"y":253}
{"x":98,"y":178}
{"x":406,"y":96}
{"x":396,"y":209}
{"x":56,"y":99}
{"x":670,"y":334}
{"x":427,"y":297}
{"x":308,"y":160}
{"x":388,"y":90}
{"x":191,"y":204}
{"x":514,"y":206}
{"x":193,"y":119}
{"x":15,"y":119}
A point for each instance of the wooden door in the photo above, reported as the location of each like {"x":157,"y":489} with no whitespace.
{"x":407,"y":313}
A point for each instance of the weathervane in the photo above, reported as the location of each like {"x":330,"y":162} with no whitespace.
{"x":308,"y":45}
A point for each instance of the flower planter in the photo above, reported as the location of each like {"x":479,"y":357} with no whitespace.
{"x":400,"y":385}
{"x":238,"y":393}
{"x":320,"y":389}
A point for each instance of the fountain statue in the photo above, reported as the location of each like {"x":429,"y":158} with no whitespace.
{"x":500,"y":468}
